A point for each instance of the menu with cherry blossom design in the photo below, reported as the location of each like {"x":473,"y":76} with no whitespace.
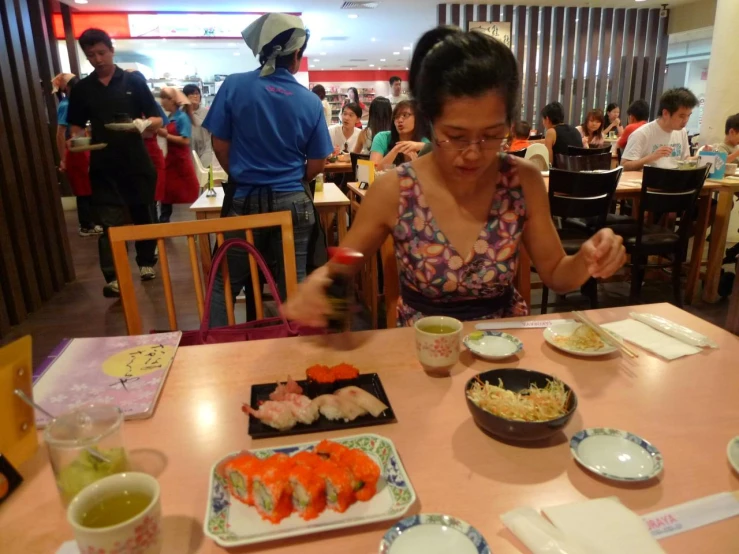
{"x":126,"y":371}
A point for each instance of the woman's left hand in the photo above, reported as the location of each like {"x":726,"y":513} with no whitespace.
{"x":603,"y":254}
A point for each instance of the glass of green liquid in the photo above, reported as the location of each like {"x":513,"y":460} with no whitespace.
{"x":74,"y":437}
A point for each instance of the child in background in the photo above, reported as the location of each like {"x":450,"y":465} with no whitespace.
{"x":520,"y":131}
{"x":731,"y":140}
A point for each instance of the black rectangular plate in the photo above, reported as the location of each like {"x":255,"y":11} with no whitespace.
{"x":369,"y":382}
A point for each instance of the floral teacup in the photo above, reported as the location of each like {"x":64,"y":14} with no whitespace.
{"x":140,"y":534}
{"x":438,"y":340}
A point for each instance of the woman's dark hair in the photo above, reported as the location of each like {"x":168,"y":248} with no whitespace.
{"x":380,"y":116}
{"x":356,"y":94}
{"x":555,"y":112}
{"x":187,"y":90}
{"x":353,"y":106}
{"x":320,"y":91}
{"x":419,"y":130}
{"x":285,"y":61}
{"x":91,"y":37}
{"x":597,"y":115}
{"x":450,"y":63}
{"x":610,"y":107}
{"x":676,"y":98}
{"x":60,"y":94}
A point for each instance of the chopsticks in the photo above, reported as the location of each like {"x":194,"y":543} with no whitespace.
{"x":605,"y":337}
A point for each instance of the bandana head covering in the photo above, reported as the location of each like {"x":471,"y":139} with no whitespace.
{"x":260,"y":38}
{"x":60,"y":81}
{"x":177,"y":96}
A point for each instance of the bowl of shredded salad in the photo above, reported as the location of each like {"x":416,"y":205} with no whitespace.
{"x":520,"y":404}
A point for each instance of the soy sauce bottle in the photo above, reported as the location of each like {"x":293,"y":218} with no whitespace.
{"x":341,"y":272}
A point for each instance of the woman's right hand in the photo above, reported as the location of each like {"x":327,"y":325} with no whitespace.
{"x":310,"y":305}
{"x":162,"y":132}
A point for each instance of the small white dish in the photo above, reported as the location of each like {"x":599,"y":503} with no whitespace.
{"x":492,"y":345}
{"x":559,"y":331}
{"x":433,"y":534}
{"x":616,"y":455}
{"x":732,"y":452}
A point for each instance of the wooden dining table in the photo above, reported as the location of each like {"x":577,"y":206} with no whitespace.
{"x":338,"y":167}
{"x":687,"y":408}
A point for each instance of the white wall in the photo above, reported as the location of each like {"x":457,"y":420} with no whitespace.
{"x":695,"y":81}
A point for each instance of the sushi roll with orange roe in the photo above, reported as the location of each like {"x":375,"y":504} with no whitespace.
{"x":338,"y":479}
{"x":308,"y":491}
{"x":306,"y":458}
{"x":271,"y":489}
{"x":329,"y":450}
{"x":365,"y":471}
{"x":239,"y":472}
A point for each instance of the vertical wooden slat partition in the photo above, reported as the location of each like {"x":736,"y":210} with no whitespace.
{"x":587,"y":57}
{"x":36,"y":260}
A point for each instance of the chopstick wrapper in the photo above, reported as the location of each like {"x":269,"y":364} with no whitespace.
{"x":681,"y":333}
{"x":537,"y":534}
{"x":531,"y":324}
{"x":693,"y":514}
{"x":650,"y":339}
{"x":604,"y":526}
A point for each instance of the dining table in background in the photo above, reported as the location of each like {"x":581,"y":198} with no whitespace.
{"x":686,"y":408}
{"x":338,"y":167}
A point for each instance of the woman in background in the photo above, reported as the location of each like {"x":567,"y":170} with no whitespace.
{"x":75,"y":164}
{"x":403,"y":141}
{"x":320,"y":91}
{"x":181,"y":186}
{"x":380,"y":120}
{"x":201,"y":141}
{"x":592,"y":129}
{"x":352,"y":95}
{"x":613,"y":112}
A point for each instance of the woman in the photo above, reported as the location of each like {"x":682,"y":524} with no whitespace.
{"x":380,"y":120}
{"x":403,"y":141}
{"x":320,"y":91}
{"x":344,"y":135}
{"x":592,"y":129}
{"x":352,"y":97}
{"x":559,"y":135}
{"x":614,"y":120}
{"x":459,"y":215}
{"x":201,"y":141}
{"x":181,"y":183}
{"x":75,"y":164}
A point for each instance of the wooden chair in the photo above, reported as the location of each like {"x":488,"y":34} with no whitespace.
{"x":592,"y":162}
{"x":582,"y":151}
{"x":732,"y":318}
{"x":119,"y":236}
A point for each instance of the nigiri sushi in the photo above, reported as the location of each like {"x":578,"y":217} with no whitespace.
{"x":271,"y":489}
{"x":308,"y":491}
{"x":239,"y":472}
{"x":302,"y":407}
{"x":279,"y":415}
{"x":363,"y":398}
{"x":335,"y":407}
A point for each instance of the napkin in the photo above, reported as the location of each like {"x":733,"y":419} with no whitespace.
{"x":141,"y":124}
{"x":604,"y":526}
{"x":539,"y":536}
{"x":69,"y":547}
{"x":651,"y":339}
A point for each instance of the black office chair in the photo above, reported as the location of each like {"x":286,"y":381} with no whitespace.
{"x":355,"y":157}
{"x":598,"y":162}
{"x":584,"y":196}
{"x":664,"y":191}
{"x":582,"y":151}
{"x":518,"y":153}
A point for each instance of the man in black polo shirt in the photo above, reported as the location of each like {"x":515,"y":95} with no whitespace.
{"x":122,"y":175}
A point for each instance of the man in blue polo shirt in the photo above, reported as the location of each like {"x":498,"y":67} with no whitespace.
{"x":269,"y":133}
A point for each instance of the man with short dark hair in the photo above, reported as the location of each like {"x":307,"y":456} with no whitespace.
{"x":122,"y":175}
{"x":730,"y":146}
{"x":664,"y":141}
{"x":201,"y":141}
{"x":638,"y":114}
{"x":396,"y":86}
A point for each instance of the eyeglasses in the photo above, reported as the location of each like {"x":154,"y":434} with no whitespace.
{"x":405,"y":115}
{"x":492,"y":143}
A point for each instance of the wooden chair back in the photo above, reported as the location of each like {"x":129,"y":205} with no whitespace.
{"x":201,"y":229}
{"x":582,"y":151}
{"x":391,"y":281}
{"x":593,"y":162}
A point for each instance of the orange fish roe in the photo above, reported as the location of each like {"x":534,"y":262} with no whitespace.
{"x":271,"y":489}
{"x":309,"y":491}
{"x":366,"y":473}
{"x":320,"y":374}
{"x":345,"y":371}
{"x":339,"y":493}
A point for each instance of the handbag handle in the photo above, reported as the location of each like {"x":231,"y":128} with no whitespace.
{"x":220,"y":255}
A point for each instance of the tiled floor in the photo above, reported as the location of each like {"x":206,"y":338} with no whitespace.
{"x":80,"y":310}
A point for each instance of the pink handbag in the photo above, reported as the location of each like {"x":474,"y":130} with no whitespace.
{"x":268,"y":328}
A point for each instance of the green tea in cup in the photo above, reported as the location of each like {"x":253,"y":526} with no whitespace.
{"x":115,"y":509}
{"x":437,"y":328}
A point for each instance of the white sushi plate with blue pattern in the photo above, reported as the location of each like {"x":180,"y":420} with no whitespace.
{"x":433,"y":534}
{"x":231,"y":523}
{"x":616,"y":455}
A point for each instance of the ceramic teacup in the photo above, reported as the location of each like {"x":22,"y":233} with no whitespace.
{"x":438,"y":340}
{"x":141,"y":533}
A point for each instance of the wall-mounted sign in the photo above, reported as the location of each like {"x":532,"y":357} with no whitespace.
{"x":174,"y":25}
{"x":496,"y":29}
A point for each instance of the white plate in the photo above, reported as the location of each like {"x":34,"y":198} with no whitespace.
{"x":565,"y":330}
{"x":88,"y":147}
{"x":732,"y":452}
{"x":236,"y":524}
{"x":616,"y":455}
{"x":120,"y":126}
{"x":492,"y":345}
{"x":433,"y":534}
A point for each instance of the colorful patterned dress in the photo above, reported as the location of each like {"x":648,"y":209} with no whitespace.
{"x":436,"y":277}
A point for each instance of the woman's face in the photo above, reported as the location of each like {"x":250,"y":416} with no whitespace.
{"x":614,"y":114}
{"x":352,"y":96}
{"x":593,"y":124}
{"x":405,"y":121}
{"x":469,"y":120}
{"x":348,"y":118}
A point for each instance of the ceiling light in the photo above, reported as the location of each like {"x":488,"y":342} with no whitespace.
{"x":373,"y":39}
{"x":232,"y":44}
{"x":323,"y":53}
{"x":316,"y":60}
{"x":379,"y":67}
{"x":396,"y":53}
{"x":311,"y":66}
{"x":237,"y":53}
{"x":406,"y":69}
{"x":406,"y":47}
{"x":80,"y":1}
{"x":193,"y":44}
{"x":372,"y":65}
{"x":382,"y":59}
{"x":352,"y":16}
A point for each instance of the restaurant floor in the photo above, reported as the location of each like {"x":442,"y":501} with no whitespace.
{"x":80,"y":310}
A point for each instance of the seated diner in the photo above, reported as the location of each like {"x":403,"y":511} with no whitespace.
{"x":403,"y":141}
